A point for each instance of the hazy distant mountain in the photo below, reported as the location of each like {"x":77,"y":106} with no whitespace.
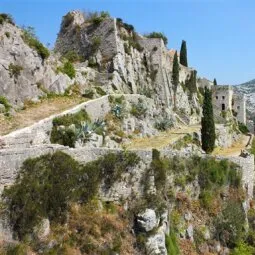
{"x":248,"y":88}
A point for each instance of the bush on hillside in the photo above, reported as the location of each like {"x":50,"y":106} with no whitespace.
{"x":68,"y":69}
{"x":243,"y":128}
{"x":5,"y":102}
{"x":32,"y":41}
{"x":15,"y":70}
{"x":4,"y":17}
{"x":158,"y":35}
{"x":47,"y":185}
{"x":67,"y":138}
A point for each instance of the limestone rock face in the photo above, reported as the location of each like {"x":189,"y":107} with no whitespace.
{"x":147,"y":220}
{"x":34,"y":72}
{"x":155,"y":245}
{"x":126,"y":62}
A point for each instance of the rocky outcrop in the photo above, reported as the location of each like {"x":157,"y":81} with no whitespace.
{"x":127,"y":62}
{"x":147,"y":220}
{"x":25,"y":75}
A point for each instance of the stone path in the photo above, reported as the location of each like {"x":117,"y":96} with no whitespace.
{"x":163,"y":139}
{"x":36,"y":112}
{"x":235,"y":149}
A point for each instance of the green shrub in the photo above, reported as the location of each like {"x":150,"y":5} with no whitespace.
{"x":95,"y":44}
{"x":128,"y":27}
{"x":172,"y":244}
{"x":243,"y":249}
{"x":158,"y":35}
{"x":72,"y":56}
{"x":88,"y":93}
{"x":96,"y":17}
{"x":138,"y":109}
{"x":5,"y":102}
{"x":15,"y":70}
{"x":47,"y":185}
{"x":218,"y":173}
{"x":43,"y":188}
{"x":100,"y":91}
{"x":7,"y":34}
{"x":229,"y":224}
{"x":68,"y":137}
{"x":206,"y":198}
{"x":32,"y":41}
{"x":163,"y":125}
{"x":243,"y":128}
{"x":68,"y":69}
{"x":6,"y":18}
{"x":252,"y":150}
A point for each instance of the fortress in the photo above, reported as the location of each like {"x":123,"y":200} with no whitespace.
{"x":225,"y":100}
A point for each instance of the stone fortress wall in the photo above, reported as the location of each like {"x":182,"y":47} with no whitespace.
{"x":34,"y":141}
{"x":12,"y":159}
{"x":225,"y":100}
{"x":239,"y":106}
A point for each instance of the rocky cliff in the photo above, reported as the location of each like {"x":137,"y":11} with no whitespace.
{"x":25,"y":74}
{"x":126,"y":62}
{"x":68,"y":183}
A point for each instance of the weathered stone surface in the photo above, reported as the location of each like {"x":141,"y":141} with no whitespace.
{"x":155,"y":245}
{"x":147,"y":220}
{"x":147,"y":71}
{"x":42,"y":230}
{"x":24,"y":86}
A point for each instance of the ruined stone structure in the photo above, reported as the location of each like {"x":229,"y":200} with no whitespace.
{"x":225,"y":100}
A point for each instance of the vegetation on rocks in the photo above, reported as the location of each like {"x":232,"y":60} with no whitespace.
{"x":30,"y":38}
{"x":5,"y":102}
{"x":138,"y":109}
{"x":4,"y":17}
{"x":243,"y":128}
{"x":72,"y":56}
{"x":163,"y":124}
{"x":158,"y":35}
{"x":96,"y":17}
{"x":67,"y":69}
{"x":48,"y":186}
{"x":15,"y":70}
{"x":208,"y":127}
{"x":67,"y":136}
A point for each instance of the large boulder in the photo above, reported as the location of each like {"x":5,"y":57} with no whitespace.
{"x":147,"y":220}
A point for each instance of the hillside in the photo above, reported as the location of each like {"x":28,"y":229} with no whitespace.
{"x":101,"y":148}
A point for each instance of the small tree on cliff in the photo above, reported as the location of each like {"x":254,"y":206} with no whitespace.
{"x":183,"y":54}
{"x":175,"y":70}
{"x":208,"y":127}
{"x":215,"y":82}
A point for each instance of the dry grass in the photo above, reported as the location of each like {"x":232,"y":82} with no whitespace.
{"x":35,"y":112}
{"x":94,"y":231}
{"x":234,"y":150}
{"x":162,"y":140}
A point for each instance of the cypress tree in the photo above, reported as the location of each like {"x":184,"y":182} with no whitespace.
{"x":208,"y":127}
{"x":183,"y":54}
{"x":175,"y":70}
{"x":215,"y":82}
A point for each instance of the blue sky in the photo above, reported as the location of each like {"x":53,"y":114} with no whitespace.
{"x":220,"y":34}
